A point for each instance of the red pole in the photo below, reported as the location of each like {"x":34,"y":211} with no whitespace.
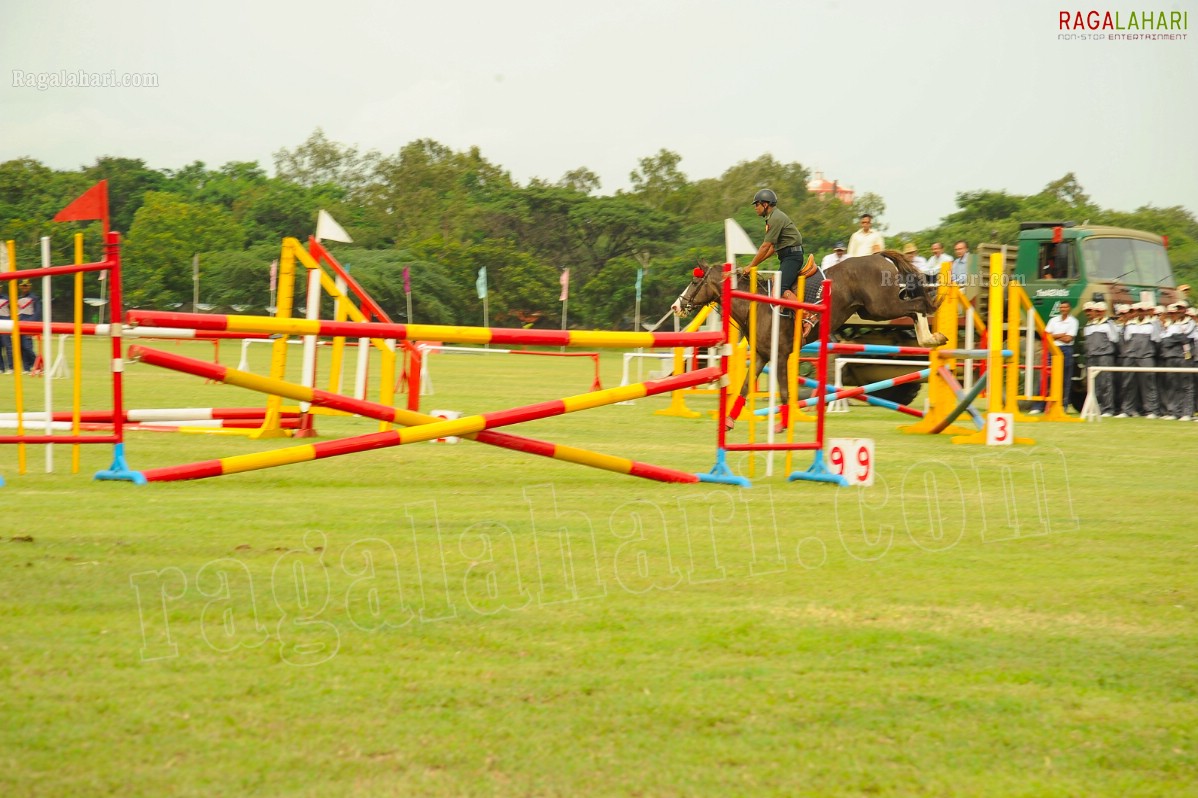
{"x":821,"y":363}
{"x":725,"y":323}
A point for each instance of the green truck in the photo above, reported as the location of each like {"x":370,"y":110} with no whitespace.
{"x":1057,"y":261}
{"x":1054,"y":261}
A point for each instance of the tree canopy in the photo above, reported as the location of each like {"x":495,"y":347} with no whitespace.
{"x":444,"y":214}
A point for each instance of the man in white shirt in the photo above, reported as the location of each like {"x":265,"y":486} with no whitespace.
{"x":1063,"y":330}
{"x":938,"y":259}
{"x":834,"y":257}
{"x":866,"y":241}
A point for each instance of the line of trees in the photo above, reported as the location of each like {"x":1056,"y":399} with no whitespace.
{"x":444,"y":214}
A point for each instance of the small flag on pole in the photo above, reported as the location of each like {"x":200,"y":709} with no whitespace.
{"x":91,"y":204}
{"x":327,"y":229}
{"x":565,"y":281}
{"x":274,"y":275}
{"x":407,"y":280}
{"x":481,"y":283}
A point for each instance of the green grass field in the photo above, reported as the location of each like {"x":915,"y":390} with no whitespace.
{"x":452,"y":620}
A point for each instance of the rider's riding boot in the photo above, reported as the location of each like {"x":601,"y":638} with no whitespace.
{"x":788,"y":313}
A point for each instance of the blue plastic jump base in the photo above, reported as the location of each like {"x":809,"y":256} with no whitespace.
{"x":723,"y":475}
{"x":119,"y":470}
{"x":818,"y":472}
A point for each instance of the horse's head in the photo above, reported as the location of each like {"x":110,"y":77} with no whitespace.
{"x":704,"y":288}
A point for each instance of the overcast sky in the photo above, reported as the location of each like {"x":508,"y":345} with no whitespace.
{"x":912,"y":101}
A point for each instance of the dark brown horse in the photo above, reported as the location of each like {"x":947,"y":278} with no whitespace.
{"x":878,"y":287}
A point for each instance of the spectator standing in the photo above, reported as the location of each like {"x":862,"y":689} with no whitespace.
{"x":1102,"y":349}
{"x":29,"y":309}
{"x":961,"y":263}
{"x":1192,"y":316}
{"x":1139,"y":350}
{"x":1177,"y":390}
{"x":939,"y":258}
{"x":1062,"y":328}
{"x":5,"y":337}
{"x":834,"y":257}
{"x":866,"y":241}
{"x":917,"y":260}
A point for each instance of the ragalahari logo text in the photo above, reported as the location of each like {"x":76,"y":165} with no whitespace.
{"x":1123,"y":25}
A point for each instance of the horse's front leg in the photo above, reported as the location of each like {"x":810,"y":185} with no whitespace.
{"x":739,"y":404}
{"x":783,"y":393}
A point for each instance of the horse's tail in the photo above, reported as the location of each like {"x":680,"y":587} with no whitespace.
{"x":931,"y":297}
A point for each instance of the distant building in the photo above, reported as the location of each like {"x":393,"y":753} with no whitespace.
{"x":824,"y":188}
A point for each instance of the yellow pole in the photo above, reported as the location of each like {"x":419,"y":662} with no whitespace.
{"x":271,"y":424}
{"x":18,"y":389}
{"x":994,"y":360}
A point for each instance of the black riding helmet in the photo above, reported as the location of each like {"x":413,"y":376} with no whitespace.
{"x":766,"y":196}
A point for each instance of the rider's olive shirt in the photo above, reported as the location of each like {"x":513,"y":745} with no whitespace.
{"x":781,"y":231}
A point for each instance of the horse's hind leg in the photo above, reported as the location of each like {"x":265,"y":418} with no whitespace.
{"x":924,"y":334}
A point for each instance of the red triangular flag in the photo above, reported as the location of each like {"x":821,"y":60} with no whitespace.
{"x":91,"y":204}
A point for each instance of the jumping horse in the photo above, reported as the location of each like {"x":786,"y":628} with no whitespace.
{"x":880,"y":287}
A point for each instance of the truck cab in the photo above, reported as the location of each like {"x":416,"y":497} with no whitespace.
{"x":1061,"y":260}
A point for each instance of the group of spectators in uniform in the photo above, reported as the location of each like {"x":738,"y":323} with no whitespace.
{"x":1146,"y":336}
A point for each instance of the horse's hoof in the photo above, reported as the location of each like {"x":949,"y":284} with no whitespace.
{"x":779,"y":429}
{"x":728,"y":425}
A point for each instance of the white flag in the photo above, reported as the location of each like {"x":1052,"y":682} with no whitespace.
{"x":736,"y":241}
{"x":327,"y":228}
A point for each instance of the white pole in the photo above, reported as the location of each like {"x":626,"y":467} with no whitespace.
{"x":565,"y":306}
{"x":775,"y":320}
{"x":308,"y":373}
{"x":47,"y":345}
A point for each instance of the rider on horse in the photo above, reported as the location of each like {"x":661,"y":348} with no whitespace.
{"x":783,"y":239}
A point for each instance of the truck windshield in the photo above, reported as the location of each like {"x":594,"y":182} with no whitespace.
{"x":1127,"y":260}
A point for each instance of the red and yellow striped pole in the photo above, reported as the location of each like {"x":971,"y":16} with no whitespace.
{"x":591,"y":339}
{"x":421,"y":426}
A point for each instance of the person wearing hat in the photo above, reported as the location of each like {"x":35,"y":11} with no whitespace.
{"x":1138,"y":394}
{"x":783,"y":239}
{"x":5,"y":337}
{"x":834,"y":257}
{"x":29,"y":311}
{"x":1102,"y":348}
{"x":912,"y":254}
{"x":1177,"y":390}
{"x":1191,"y":352}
